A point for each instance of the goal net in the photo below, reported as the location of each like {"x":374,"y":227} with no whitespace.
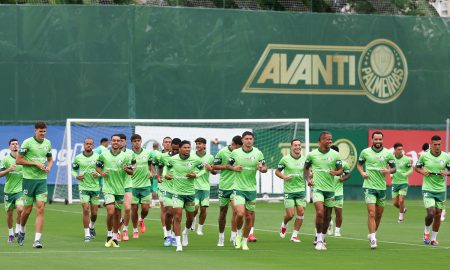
{"x":272,"y":137}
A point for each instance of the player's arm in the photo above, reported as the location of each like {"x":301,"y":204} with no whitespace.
{"x":49,"y":162}
{"x":345,"y":175}
{"x":360,"y":167}
{"x":409,"y":171}
{"x":217,"y":163}
{"x":339,"y":170}
{"x":307,"y":171}
{"x":129,"y":168}
{"x":99,"y":165}
{"x":262,"y":166}
{"x":232,"y":167}
{"x":391,"y":164}
{"x":446,"y":172}
{"x":75,"y":169}
{"x":20,"y":160}
{"x":279,"y":172}
{"x":419,"y":168}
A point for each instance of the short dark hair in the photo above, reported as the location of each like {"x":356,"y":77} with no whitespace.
{"x":183,"y":142}
{"x":335,"y":148}
{"x":13,"y":140}
{"x":40,"y":125}
{"x":295,"y":140}
{"x":323,"y":133}
{"x":377,"y":133}
{"x":115,"y":135}
{"x":122,"y":136}
{"x":237,"y":140}
{"x":397,"y":145}
{"x":247,"y":133}
{"x":425,"y":146}
{"x":88,"y":138}
{"x":135,"y":137}
{"x":176,"y":141}
{"x":104,"y":140}
{"x":167,"y":137}
{"x":200,"y":140}
{"x":436,"y":138}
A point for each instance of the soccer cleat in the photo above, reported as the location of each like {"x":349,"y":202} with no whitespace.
{"x":315,"y":241}
{"x":21,"y":238}
{"x":119,"y":237}
{"x":115,"y":243}
{"x":185,"y":241}
{"x":16,"y":234}
{"x":238,"y":242}
{"x":434,"y":243}
{"x":337,"y":234}
{"x":10,"y":239}
{"x":199,"y":232}
{"x":221,"y":242}
{"x":282,"y":232}
{"x":174,"y":241}
{"x":108,"y":242}
{"x":245,"y":246}
{"x":92,"y":233}
{"x":179,"y":248}
{"x":168,"y":241}
{"x":142,"y":227}
{"x":233,"y":240}
{"x":373,"y":244}
{"x":135,"y":235}
{"x":87,"y":238}
{"x":37,"y":244}
{"x":426,"y":238}
{"x":295,"y":239}
{"x":125,"y":236}
{"x":252,"y":238}
{"x":319,"y":245}
{"x":330,"y":228}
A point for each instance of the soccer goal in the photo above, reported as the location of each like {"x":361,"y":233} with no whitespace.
{"x":272,"y":137}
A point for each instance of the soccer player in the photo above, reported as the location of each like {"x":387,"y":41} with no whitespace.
{"x":245,"y":161}
{"x":201,"y":183}
{"x":339,"y":197}
{"x":290,"y":170}
{"x":226,"y":187}
{"x":378,"y":162}
{"x":113,"y":165}
{"x":325,"y":164}
{"x":182,"y":172}
{"x":434,"y":165}
{"x":35,"y":155}
{"x":167,"y":188}
{"x":104,"y":143}
{"x":156,"y":161}
{"x":84,"y":170}
{"x":128,"y":190}
{"x":400,"y":180}
{"x":155,"y":153}
{"x":141,"y":185}
{"x":13,"y":188}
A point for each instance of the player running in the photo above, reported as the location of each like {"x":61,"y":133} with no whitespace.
{"x":400,"y":180}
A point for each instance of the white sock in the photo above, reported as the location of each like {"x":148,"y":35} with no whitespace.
{"x":178,"y":238}
{"x":200,"y":228}
{"x":233,"y":234}
{"x":37,"y":236}
{"x":400,"y":216}
{"x":91,"y":224}
{"x":337,"y":229}
{"x":11,"y":231}
{"x":221,"y":235}
{"x":244,"y":240}
{"x":166,"y":233}
{"x":109,"y":234}
{"x":315,"y":231}
{"x":86,"y":232}
{"x":186,"y":230}
{"x":433,"y":235}
{"x":427,"y":229}
{"x":139,"y":218}
{"x":251,"y":230}
{"x":283,"y":225}
{"x":114,"y":236}
{"x":239,"y":232}
{"x":22,"y":229}
{"x":125,"y":228}
{"x":294,"y":233}
{"x":135,"y":230}
{"x":319,"y":237}
{"x":372,"y":237}
{"x":18,"y":226}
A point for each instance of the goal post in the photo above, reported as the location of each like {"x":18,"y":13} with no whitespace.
{"x":272,"y":137}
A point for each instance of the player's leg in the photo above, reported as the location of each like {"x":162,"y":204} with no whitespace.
{"x":298,"y":221}
{"x":189,"y":206}
{"x":436,"y":226}
{"x":177,"y":211}
{"x":330,"y":222}
{"x":249,"y":217}
{"x":169,"y":219}
{"x":204,"y":204}
{"x":116,"y":224}
{"x":395,"y":196}
{"x":224,"y":201}
{"x":135,"y":218}
{"x":9,"y":221}
{"x":251,"y":236}
{"x":379,"y":209}
{"x":110,"y":210}
{"x":126,"y":213}
{"x":234,"y":228}
{"x":288,"y":215}
{"x":239,"y":209}
{"x":318,"y":200}
{"x":371,"y":223}
{"x":339,"y":219}
{"x":19,"y":210}
{"x":146,"y":199}
{"x":41,"y":199}
{"x":85,"y":206}
{"x":95,"y":203}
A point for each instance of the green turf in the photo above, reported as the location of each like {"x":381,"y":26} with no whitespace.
{"x":400,"y":245}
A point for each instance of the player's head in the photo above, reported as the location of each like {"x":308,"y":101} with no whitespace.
{"x":200,"y":144}
{"x":377,"y":139}
{"x":435,"y":145}
{"x":248,"y":139}
{"x":13,"y":145}
{"x":104,"y":142}
{"x":88,"y":145}
{"x":175,"y":145}
{"x":425,"y":147}
{"x":185,"y":148}
{"x":398,"y":149}
{"x":123,"y":140}
{"x":335,"y":148}
{"x":167,"y":141}
{"x":325,"y":140}
{"x":296,"y":146}
{"x":136,"y":141}
{"x":40,"y":129}
{"x":155,"y":146}
{"x":115,"y":142}
{"x":236,"y":142}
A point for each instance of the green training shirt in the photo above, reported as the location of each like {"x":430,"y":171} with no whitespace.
{"x":142,"y":171}
{"x":375,"y":161}
{"x":321,"y":164}
{"x":245,"y":180}
{"x":340,"y":185}
{"x":178,"y":168}
{"x":226,"y":179}
{"x":35,"y":151}
{"x":434,"y":164}
{"x":201,"y":182}
{"x":404,"y":169}
{"x":85,"y":165}
{"x":111,"y":163}
{"x":294,"y":167}
{"x":13,"y":182}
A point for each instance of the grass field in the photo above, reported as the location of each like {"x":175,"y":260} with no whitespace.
{"x":400,"y":245}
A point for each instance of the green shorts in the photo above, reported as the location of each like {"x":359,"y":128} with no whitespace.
{"x":326,"y":197}
{"x":184,"y":201}
{"x":12,"y":200}
{"x":375,"y":196}
{"x":88,"y":196}
{"x":201,"y":197}
{"x":168,"y":199}
{"x":154,"y":186}
{"x":113,"y":198}
{"x":141,"y":196}
{"x":34,"y":190}
{"x":399,"y":189}
{"x":339,"y":201}
{"x":295,"y":199}
{"x":128,"y":189}
{"x":225,"y":196}
{"x":434,"y":199}
{"x":247,"y":198}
